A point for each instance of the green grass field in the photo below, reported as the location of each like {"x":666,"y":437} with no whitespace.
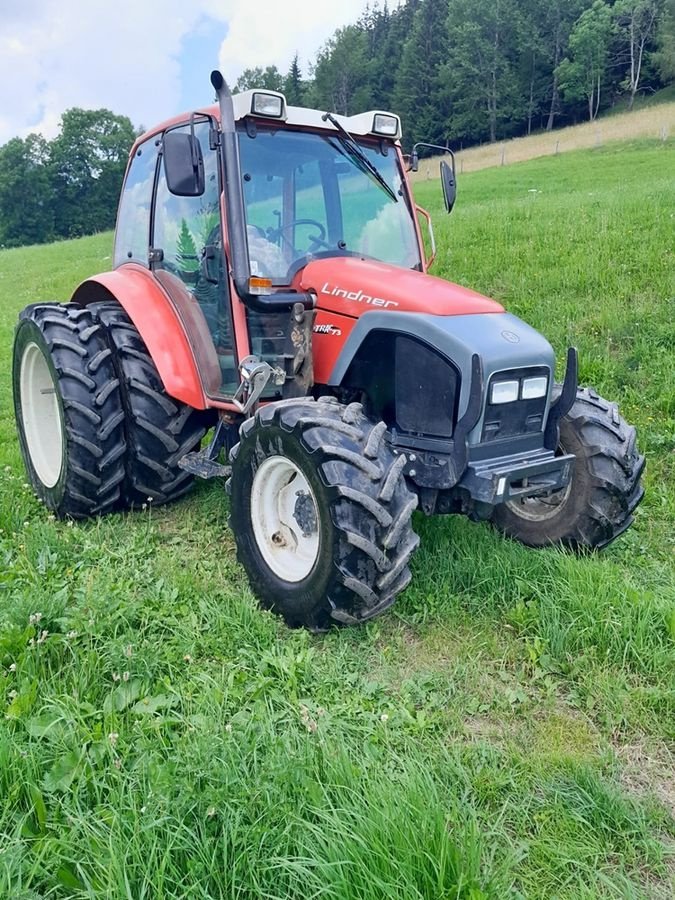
{"x":507,"y":730}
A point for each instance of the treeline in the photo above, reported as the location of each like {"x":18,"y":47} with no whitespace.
{"x":66,"y":187}
{"x":457,"y":71}
{"x":467,"y":71}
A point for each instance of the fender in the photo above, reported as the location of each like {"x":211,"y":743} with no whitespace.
{"x":158,"y":322}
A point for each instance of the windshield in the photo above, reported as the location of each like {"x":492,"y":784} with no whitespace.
{"x":306,"y":196}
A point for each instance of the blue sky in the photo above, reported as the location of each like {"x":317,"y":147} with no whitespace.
{"x":147,"y":59}
{"x":201,"y":44}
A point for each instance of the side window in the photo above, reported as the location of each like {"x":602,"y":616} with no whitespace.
{"x":184,"y":225}
{"x":132,"y":236}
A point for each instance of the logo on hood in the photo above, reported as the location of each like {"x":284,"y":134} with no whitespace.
{"x":356,"y":296}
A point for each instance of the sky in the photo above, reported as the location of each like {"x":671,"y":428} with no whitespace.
{"x":147,"y":59}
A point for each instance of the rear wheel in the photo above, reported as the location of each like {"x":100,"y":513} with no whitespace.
{"x":598,"y":503}
{"x":159,"y":429}
{"x":68,"y":410}
{"x":321,"y":512}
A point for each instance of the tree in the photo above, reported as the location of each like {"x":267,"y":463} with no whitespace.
{"x":267,"y":79}
{"x":482,"y":76}
{"x":418,"y":95}
{"x":583,"y":72}
{"x":559,"y":18}
{"x":87,"y":163}
{"x":636,"y":22}
{"x":293,"y":86}
{"x":664,"y":55}
{"x":342,"y":74}
{"x":26,"y":194}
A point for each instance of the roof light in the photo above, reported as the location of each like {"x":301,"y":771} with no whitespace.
{"x":504,"y":391}
{"x":386,"y":125}
{"x":270,"y":105}
{"x":534,"y":387}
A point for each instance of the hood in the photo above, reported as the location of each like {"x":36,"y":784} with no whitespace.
{"x":352,"y":286}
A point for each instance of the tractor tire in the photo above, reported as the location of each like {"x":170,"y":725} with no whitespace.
{"x":159,"y":429}
{"x":68,"y":408}
{"x":598,"y":503}
{"x":335,"y":546}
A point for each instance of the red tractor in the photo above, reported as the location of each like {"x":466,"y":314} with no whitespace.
{"x":270,"y":280}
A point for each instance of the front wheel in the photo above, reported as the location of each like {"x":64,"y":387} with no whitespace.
{"x":321,"y":512}
{"x":598,"y":503}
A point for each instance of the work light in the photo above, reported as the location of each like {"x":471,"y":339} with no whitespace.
{"x":269,"y":105}
{"x":386,"y":125}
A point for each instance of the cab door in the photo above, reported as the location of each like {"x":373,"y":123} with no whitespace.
{"x":184,"y":232}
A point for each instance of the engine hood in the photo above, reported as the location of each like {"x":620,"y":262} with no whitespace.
{"x":352,"y":286}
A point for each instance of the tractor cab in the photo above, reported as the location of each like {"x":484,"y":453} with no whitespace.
{"x":227,"y":208}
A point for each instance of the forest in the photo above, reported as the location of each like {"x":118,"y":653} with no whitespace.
{"x":459,"y":72}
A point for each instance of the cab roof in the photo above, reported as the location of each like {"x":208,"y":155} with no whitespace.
{"x":298,"y":116}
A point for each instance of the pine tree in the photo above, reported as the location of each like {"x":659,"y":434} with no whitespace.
{"x":293,"y":86}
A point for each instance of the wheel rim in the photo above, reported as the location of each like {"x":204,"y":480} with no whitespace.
{"x":285,"y":519}
{"x":41,"y":415}
{"x":539,"y":509}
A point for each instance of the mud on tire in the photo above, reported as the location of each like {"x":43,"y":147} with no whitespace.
{"x":73,"y":445}
{"x":363,"y":511}
{"x":598,"y":504}
{"x":159,"y":429}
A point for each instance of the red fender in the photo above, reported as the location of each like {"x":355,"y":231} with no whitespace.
{"x":159,"y":324}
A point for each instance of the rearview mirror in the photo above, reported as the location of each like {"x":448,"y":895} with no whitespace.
{"x":183,"y":164}
{"x":449,"y":186}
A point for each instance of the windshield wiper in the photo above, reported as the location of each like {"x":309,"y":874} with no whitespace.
{"x":357,"y":155}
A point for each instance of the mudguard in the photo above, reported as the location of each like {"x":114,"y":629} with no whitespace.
{"x":158,"y":322}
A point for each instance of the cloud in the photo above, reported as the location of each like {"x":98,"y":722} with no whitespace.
{"x":55,"y":54}
{"x":127,"y":56}
{"x":269,"y":33}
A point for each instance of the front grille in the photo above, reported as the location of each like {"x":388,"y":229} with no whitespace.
{"x":427,"y":389}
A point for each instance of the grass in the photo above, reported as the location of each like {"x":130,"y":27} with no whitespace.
{"x":648,"y":120}
{"x":506,"y":731}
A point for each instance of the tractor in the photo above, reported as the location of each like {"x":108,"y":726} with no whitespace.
{"x":269,"y":292}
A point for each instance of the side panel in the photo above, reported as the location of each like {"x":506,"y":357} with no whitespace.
{"x":158,"y":323}
{"x":331,"y":330}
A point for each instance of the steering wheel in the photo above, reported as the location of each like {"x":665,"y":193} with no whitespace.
{"x":274,"y":233}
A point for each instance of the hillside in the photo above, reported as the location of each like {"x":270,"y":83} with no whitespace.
{"x":505,"y":731}
{"x":656,"y":122}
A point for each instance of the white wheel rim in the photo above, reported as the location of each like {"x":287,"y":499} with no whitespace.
{"x":285,"y":519}
{"x":41,"y":415}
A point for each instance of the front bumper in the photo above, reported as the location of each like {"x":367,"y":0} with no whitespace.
{"x":495,"y":481}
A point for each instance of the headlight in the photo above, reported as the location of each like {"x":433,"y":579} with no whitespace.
{"x":534,"y":387}
{"x":504,"y":391}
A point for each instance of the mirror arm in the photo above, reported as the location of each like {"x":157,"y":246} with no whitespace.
{"x":414,"y":156}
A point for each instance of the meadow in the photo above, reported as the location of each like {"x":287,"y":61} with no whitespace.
{"x":507,"y":730}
